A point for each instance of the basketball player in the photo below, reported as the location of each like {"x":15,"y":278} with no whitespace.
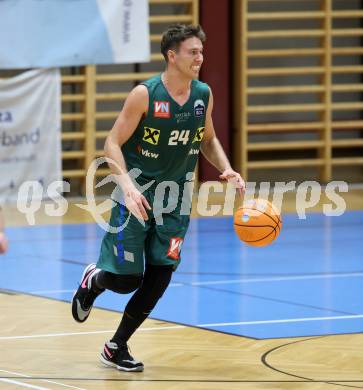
{"x":164,"y":123}
{"x":3,"y":239}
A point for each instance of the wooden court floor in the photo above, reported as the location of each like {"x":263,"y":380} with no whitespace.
{"x":43,"y":348}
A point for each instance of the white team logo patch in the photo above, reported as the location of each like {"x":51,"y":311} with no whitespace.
{"x":199,"y":108}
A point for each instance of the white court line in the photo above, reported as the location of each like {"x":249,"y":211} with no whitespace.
{"x":286,"y":320}
{"x":86,"y":333}
{"x":236,"y":281}
{"x":72,"y":291}
{"x":279,"y":279}
{"x":23,"y":384}
{"x":43,"y":380}
{"x":51,"y":291}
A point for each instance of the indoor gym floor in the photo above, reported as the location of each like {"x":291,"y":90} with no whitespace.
{"x":287,"y":316}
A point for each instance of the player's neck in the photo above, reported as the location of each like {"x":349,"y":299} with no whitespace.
{"x":175,"y":82}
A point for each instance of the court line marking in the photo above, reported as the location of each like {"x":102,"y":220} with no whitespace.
{"x":236,"y":281}
{"x":278,"y":279}
{"x":33,"y":386}
{"x":22,"y":384}
{"x":51,"y":291}
{"x":87,"y":333}
{"x":286,"y":320}
{"x":72,"y":291}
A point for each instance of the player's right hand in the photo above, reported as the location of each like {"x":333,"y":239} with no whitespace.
{"x":137,"y":204}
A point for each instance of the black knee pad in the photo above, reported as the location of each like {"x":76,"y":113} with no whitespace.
{"x":155,"y":282}
{"x":122,"y":284}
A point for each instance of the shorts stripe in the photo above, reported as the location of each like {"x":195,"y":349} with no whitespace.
{"x":120,"y":236}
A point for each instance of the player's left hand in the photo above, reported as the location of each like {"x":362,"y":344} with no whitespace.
{"x":234,"y":177}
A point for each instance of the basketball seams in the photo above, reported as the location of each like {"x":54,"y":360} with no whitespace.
{"x":262,"y":212}
{"x":260,"y":239}
{"x":269,"y":231}
{"x":279,"y":220}
{"x":273,"y":229}
{"x":254,"y":226}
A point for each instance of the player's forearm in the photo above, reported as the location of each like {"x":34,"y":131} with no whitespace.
{"x":212,"y":150}
{"x":118,"y":165}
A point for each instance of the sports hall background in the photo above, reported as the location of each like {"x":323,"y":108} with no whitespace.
{"x":287,"y":80}
{"x":287,"y":83}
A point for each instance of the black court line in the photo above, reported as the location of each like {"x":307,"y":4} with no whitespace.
{"x":181,"y":380}
{"x":330,"y":381}
{"x":245,"y":294}
{"x":16,"y":292}
{"x":241,"y":274}
{"x":259,"y":275}
{"x":8,"y":291}
{"x":269,"y":299}
{"x":215,"y":289}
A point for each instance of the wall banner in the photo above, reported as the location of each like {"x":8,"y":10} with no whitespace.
{"x":54,"y":33}
{"x":30,"y":126}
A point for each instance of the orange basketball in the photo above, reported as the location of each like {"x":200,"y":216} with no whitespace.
{"x":257,"y":222}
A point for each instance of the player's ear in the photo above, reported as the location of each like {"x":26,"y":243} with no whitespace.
{"x":171,"y":55}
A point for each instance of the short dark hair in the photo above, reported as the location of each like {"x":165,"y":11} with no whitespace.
{"x":176,"y":34}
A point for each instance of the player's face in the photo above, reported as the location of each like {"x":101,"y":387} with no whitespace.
{"x":189,"y":58}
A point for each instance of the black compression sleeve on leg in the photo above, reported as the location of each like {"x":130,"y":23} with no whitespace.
{"x":156,"y":280}
{"x":122,"y":284}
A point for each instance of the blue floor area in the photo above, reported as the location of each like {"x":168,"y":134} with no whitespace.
{"x":308,"y":282}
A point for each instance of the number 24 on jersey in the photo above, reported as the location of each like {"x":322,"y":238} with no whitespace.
{"x":179,"y":136}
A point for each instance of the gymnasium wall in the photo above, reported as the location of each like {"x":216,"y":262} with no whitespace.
{"x":286,"y":75}
{"x":298,"y":114}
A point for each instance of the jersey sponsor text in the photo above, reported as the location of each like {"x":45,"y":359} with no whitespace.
{"x":149,"y":154}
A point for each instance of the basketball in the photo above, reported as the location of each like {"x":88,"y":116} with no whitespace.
{"x":257,"y":222}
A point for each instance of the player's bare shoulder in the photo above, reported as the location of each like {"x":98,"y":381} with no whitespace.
{"x":138,"y":99}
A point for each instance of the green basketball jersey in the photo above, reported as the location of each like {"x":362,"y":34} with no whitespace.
{"x":166,"y":143}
